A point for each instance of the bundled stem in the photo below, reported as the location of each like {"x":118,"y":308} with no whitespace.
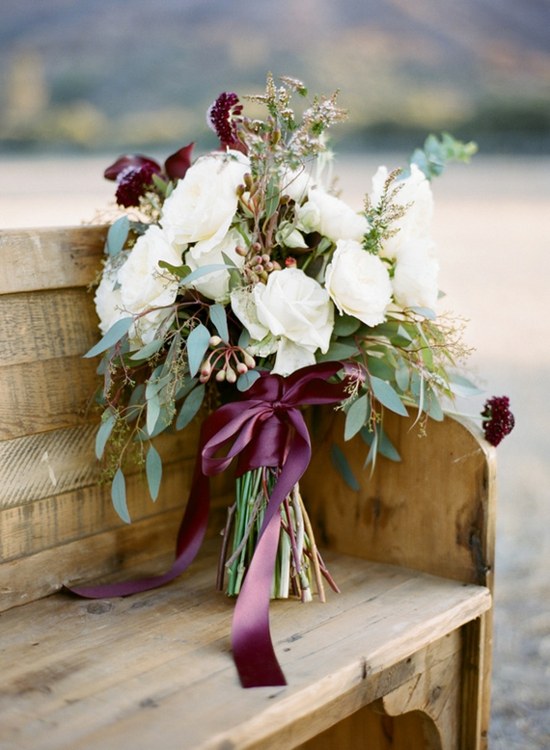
{"x":299,"y":568}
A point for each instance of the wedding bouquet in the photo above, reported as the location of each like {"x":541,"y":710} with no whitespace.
{"x":239,"y":286}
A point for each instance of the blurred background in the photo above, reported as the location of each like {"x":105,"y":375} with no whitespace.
{"x":82,"y":81}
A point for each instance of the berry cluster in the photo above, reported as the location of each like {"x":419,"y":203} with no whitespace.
{"x":497,"y":419}
{"x":226,"y":361}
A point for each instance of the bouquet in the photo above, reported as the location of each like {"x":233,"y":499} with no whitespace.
{"x":239,"y":286}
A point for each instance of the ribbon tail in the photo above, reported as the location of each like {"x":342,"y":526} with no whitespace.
{"x":190,"y":536}
{"x":253,"y":650}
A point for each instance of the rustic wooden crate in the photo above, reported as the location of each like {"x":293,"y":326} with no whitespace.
{"x":409,"y":637}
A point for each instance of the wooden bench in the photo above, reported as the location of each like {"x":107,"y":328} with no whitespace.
{"x":400,"y":659}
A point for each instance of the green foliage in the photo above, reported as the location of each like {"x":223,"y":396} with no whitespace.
{"x":438,"y":152}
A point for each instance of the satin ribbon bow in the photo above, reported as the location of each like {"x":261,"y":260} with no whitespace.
{"x":264,"y":429}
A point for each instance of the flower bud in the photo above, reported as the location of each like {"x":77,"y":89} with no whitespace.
{"x":230,"y":374}
{"x":220,"y":376}
{"x":242,"y":368}
{"x":249,"y":361}
{"x":215,"y":341}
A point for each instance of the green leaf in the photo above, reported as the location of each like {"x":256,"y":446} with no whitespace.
{"x":425,"y":312}
{"x":461,"y":386}
{"x":180,"y":271}
{"x":117,"y":236}
{"x":245,"y":380}
{"x":113,"y":335}
{"x":337,"y":351}
{"x":197,"y":345}
{"x":219,"y":320}
{"x":356,"y":417}
{"x":153,"y":412}
{"x":380,"y":368}
{"x":118,"y":496}
{"x":345,"y":325}
{"x":108,"y":421}
{"x":341,"y":463}
{"x":432,"y":405}
{"x":387,"y":396}
{"x":190,"y":407}
{"x":402,"y":376}
{"x":148,"y":350}
{"x":202,"y":271}
{"x":153,"y":470}
{"x":384,"y":446}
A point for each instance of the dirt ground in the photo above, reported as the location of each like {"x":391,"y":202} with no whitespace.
{"x":492,"y":228}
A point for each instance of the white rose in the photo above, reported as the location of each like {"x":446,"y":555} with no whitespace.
{"x":203,"y":204}
{"x":293,"y":308}
{"x":359,"y":283}
{"x":415,"y":193}
{"x":415,"y":281}
{"x":144,"y":285}
{"x":108,"y":303}
{"x":215,"y":285}
{"x":327,"y":214}
{"x":296,"y":183}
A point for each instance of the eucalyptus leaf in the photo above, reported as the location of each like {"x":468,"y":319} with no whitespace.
{"x":345,"y":325}
{"x":153,"y":470}
{"x":180,"y":271}
{"x":356,"y":417}
{"x":190,"y":407}
{"x":425,"y":312}
{"x":245,"y":380}
{"x":219,"y":320}
{"x":337,"y":351}
{"x":108,"y":421}
{"x":402,"y":376}
{"x":461,"y":386}
{"x":387,"y":396}
{"x":118,"y":496}
{"x":148,"y":350}
{"x":117,"y":236}
{"x":197,"y":345}
{"x":153,"y":412}
{"x":202,"y":271}
{"x":384,"y":446}
{"x":113,"y":336}
{"x":341,"y":463}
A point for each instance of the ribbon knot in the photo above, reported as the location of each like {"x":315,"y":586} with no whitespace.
{"x":265,"y":428}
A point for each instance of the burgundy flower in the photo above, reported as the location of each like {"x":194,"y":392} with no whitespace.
{"x":129,"y":160}
{"x":177,"y":164}
{"x":133,"y":182}
{"x":223,"y":117}
{"x":497,"y":419}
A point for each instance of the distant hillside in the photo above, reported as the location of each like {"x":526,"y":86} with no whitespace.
{"x":131,"y":72}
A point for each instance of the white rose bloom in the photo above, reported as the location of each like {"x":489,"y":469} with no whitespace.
{"x":415,"y":193}
{"x":359,"y":283}
{"x":215,"y":285}
{"x":415,"y":281}
{"x":203,"y":204}
{"x":143,"y":284}
{"x":327,"y":214}
{"x":293,"y":308}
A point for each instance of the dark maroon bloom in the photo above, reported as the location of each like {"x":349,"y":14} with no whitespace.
{"x":129,"y":160}
{"x":133,"y":182}
{"x":223,"y":116}
{"x":497,"y":419}
{"x":177,"y":164}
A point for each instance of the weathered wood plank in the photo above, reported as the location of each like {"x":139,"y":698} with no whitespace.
{"x":46,"y":325}
{"x":50,"y":463}
{"x":48,"y":395}
{"x":168,"y":649}
{"x":52,"y":258}
{"x":433,"y":511}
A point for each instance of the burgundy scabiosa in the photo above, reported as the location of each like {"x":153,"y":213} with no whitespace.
{"x":223,"y":117}
{"x":497,"y":419}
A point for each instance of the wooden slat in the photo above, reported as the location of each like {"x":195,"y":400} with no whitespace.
{"x":46,"y":325}
{"x":433,"y":511}
{"x":48,"y":395}
{"x":156,"y":668}
{"x":52,"y":258}
{"x":50,"y":463}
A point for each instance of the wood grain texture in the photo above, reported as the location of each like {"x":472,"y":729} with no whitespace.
{"x":433,"y":511}
{"x":136,"y":671}
{"x":46,"y":325}
{"x":39,"y":466}
{"x":52,"y":258}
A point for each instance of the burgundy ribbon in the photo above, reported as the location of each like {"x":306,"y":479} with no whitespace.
{"x":266,"y":428}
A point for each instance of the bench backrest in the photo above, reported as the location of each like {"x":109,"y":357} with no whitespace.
{"x":432,"y":511}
